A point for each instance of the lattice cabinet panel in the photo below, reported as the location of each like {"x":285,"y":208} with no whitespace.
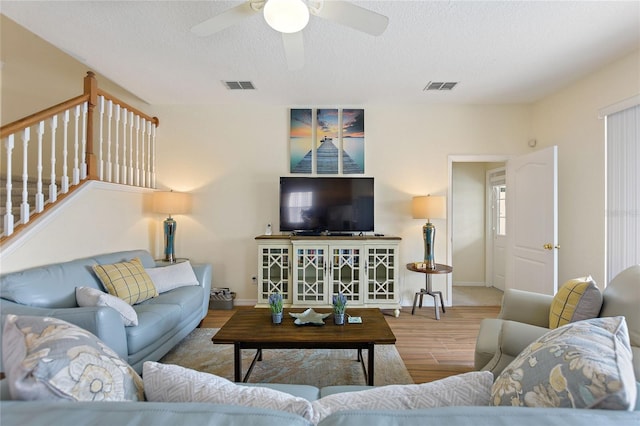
{"x":310,"y":271}
{"x":345,"y":273}
{"x":381,"y":269}
{"x":273,"y":276}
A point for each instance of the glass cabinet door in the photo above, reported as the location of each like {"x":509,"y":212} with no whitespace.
{"x":345,"y":273}
{"x":310,"y":271}
{"x":381,"y":274}
{"x":274,"y":273}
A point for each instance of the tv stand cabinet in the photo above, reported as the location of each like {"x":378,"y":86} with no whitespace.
{"x":309,"y":270}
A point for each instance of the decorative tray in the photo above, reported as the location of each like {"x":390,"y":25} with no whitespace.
{"x":309,"y":317}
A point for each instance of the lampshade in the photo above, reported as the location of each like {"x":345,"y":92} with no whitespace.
{"x":428,"y":207}
{"x":286,"y":16}
{"x":170,"y":202}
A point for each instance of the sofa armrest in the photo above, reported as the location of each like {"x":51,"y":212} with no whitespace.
{"x":526,"y":307}
{"x":104,"y":322}
{"x":514,"y":337}
{"x":203,"y":273}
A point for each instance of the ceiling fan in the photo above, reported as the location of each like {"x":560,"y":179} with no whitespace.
{"x":289,"y":17}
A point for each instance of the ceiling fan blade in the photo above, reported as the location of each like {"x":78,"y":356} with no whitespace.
{"x":294,"y":50}
{"x":347,"y":13}
{"x":225,"y":19}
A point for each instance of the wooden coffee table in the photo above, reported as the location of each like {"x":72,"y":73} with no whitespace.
{"x":253,"y":329}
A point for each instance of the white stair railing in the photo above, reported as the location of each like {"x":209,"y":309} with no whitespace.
{"x":108,"y":163}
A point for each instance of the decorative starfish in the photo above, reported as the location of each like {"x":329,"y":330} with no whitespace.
{"x":309,"y":317}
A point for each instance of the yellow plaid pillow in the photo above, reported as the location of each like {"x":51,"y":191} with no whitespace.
{"x":577,"y":300}
{"x":127,"y":280}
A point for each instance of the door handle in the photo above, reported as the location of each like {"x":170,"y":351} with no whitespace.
{"x":550,"y":246}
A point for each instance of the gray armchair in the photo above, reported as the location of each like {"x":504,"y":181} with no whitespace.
{"x":524,"y":317}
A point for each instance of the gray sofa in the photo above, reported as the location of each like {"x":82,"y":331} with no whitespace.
{"x":58,"y":281}
{"x":201,"y":414}
{"x":524,"y":317}
{"x":163,"y":321}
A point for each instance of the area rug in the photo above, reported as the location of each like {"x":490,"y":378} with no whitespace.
{"x":315,"y":367}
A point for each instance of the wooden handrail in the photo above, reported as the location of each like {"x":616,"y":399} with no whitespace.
{"x":90,"y":95}
{"x":32,"y":119}
{"x":95,"y":160}
{"x":136,"y":111}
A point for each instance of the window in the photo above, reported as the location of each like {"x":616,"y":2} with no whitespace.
{"x":501,"y":209}
{"x":499,"y":201}
{"x":622,"y":129}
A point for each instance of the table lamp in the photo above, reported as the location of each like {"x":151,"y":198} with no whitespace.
{"x":170,"y":202}
{"x":428,"y":207}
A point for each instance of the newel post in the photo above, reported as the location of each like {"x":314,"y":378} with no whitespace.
{"x":91,"y":89}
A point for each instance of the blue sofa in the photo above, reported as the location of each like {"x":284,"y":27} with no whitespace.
{"x":163,"y":321}
{"x":201,"y":414}
{"x":51,"y":291}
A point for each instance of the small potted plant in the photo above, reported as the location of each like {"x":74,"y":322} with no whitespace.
{"x":275,"y":304}
{"x":339,"y":305}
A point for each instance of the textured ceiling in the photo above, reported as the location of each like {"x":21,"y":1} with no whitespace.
{"x":499,"y":52}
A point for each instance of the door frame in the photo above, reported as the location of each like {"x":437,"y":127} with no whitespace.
{"x":501,"y":158}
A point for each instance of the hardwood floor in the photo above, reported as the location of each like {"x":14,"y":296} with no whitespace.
{"x":430,"y":349}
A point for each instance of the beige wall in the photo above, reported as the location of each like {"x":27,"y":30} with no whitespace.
{"x":99,"y":218}
{"x":469,"y":223}
{"x":35,"y":75}
{"x":569,"y":119}
{"x":231,"y":158}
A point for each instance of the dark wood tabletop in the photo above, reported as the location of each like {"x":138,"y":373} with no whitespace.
{"x":249,"y":326}
{"x":253,"y":329}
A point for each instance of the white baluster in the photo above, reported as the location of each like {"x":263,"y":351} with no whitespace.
{"x":137,"y":150}
{"x":24,"y":207}
{"x":124,"y":146}
{"x":53,"y":188}
{"x":39,"y":194}
{"x":75,"y":175}
{"x":148,"y":181}
{"x":131,"y":170}
{"x":116,"y":164}
{"x":64,"y":180}
{"x":101,"y":136}
{"x":83,"y":157}
{"x":142,"y":166}
{"x":8,"y":216}
{"x":153,"y":161}
{"x":109,"y":125}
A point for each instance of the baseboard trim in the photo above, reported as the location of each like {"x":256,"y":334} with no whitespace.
{"x":469,"y":284}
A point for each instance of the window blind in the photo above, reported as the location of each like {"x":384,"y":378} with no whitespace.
{"x":623,"y":189}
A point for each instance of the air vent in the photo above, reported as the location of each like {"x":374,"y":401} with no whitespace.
{"x":239,"y":85}
{"x":440,"y":85}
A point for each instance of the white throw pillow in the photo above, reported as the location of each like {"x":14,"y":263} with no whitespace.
{"x":172,"y":383}
{"x":472,"y":389}
{"x":88,"y":296}
{"x":167,"y":278}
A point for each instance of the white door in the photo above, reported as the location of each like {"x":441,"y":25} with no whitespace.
{"x":532,"y":217}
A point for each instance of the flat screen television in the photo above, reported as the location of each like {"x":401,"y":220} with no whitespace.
{"x":312,"y":205}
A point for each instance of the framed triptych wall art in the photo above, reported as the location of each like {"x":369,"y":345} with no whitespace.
{"x":326,"y":141}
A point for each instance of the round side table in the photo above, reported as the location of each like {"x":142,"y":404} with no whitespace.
{"x":440,"y":269}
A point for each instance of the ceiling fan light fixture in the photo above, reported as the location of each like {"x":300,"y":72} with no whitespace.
{"x":286,"y":16}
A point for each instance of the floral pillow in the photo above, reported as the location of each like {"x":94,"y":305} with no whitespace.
{"x":50,"y":359}
{"x":584,"y":364}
